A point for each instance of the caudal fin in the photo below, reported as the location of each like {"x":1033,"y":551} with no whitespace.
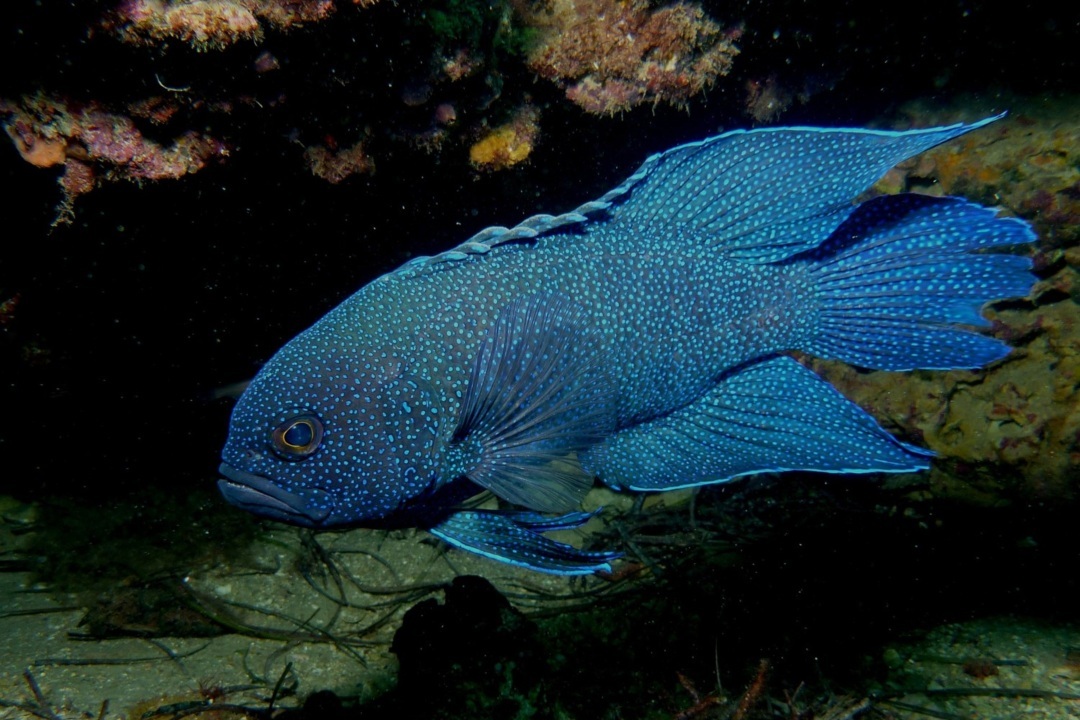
{"x":903,"y":271}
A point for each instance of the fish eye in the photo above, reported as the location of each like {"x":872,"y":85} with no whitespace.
{"x":297,"y":437}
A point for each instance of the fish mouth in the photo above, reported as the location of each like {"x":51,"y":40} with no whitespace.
{"x":260,"y":496}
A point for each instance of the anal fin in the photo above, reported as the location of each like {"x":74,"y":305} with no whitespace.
{"x":769,"y":416}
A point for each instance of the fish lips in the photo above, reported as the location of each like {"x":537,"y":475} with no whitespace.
{"x":254,"y":493}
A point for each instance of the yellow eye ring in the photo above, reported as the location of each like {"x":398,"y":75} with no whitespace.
{"x":298,"y":436}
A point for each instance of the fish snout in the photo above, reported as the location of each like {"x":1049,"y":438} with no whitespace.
{"x":261,"y":496}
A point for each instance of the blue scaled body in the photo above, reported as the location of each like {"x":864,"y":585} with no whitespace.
{"x":639,"y":339}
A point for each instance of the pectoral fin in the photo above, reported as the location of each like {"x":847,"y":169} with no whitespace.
{"x":538,"y":395}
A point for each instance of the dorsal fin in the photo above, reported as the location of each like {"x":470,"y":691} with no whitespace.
{"x":763,"y":194}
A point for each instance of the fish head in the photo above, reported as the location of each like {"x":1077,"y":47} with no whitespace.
{"x":331,"y":439}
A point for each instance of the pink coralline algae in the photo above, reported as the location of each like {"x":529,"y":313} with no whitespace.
{"x":95,"y":146}
{"x":612,"y":56}
{"x":209,"y":24}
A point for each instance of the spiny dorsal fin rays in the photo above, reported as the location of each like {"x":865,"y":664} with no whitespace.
{"x":537,"y":395}
{"x":482,"y":242}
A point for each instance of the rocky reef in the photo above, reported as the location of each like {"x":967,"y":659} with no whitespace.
{"x":459,"y":88}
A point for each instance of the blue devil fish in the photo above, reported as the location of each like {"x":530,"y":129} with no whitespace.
{"x":640,"y":339}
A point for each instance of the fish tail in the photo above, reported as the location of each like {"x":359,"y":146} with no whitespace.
{"x":899,"y":276}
